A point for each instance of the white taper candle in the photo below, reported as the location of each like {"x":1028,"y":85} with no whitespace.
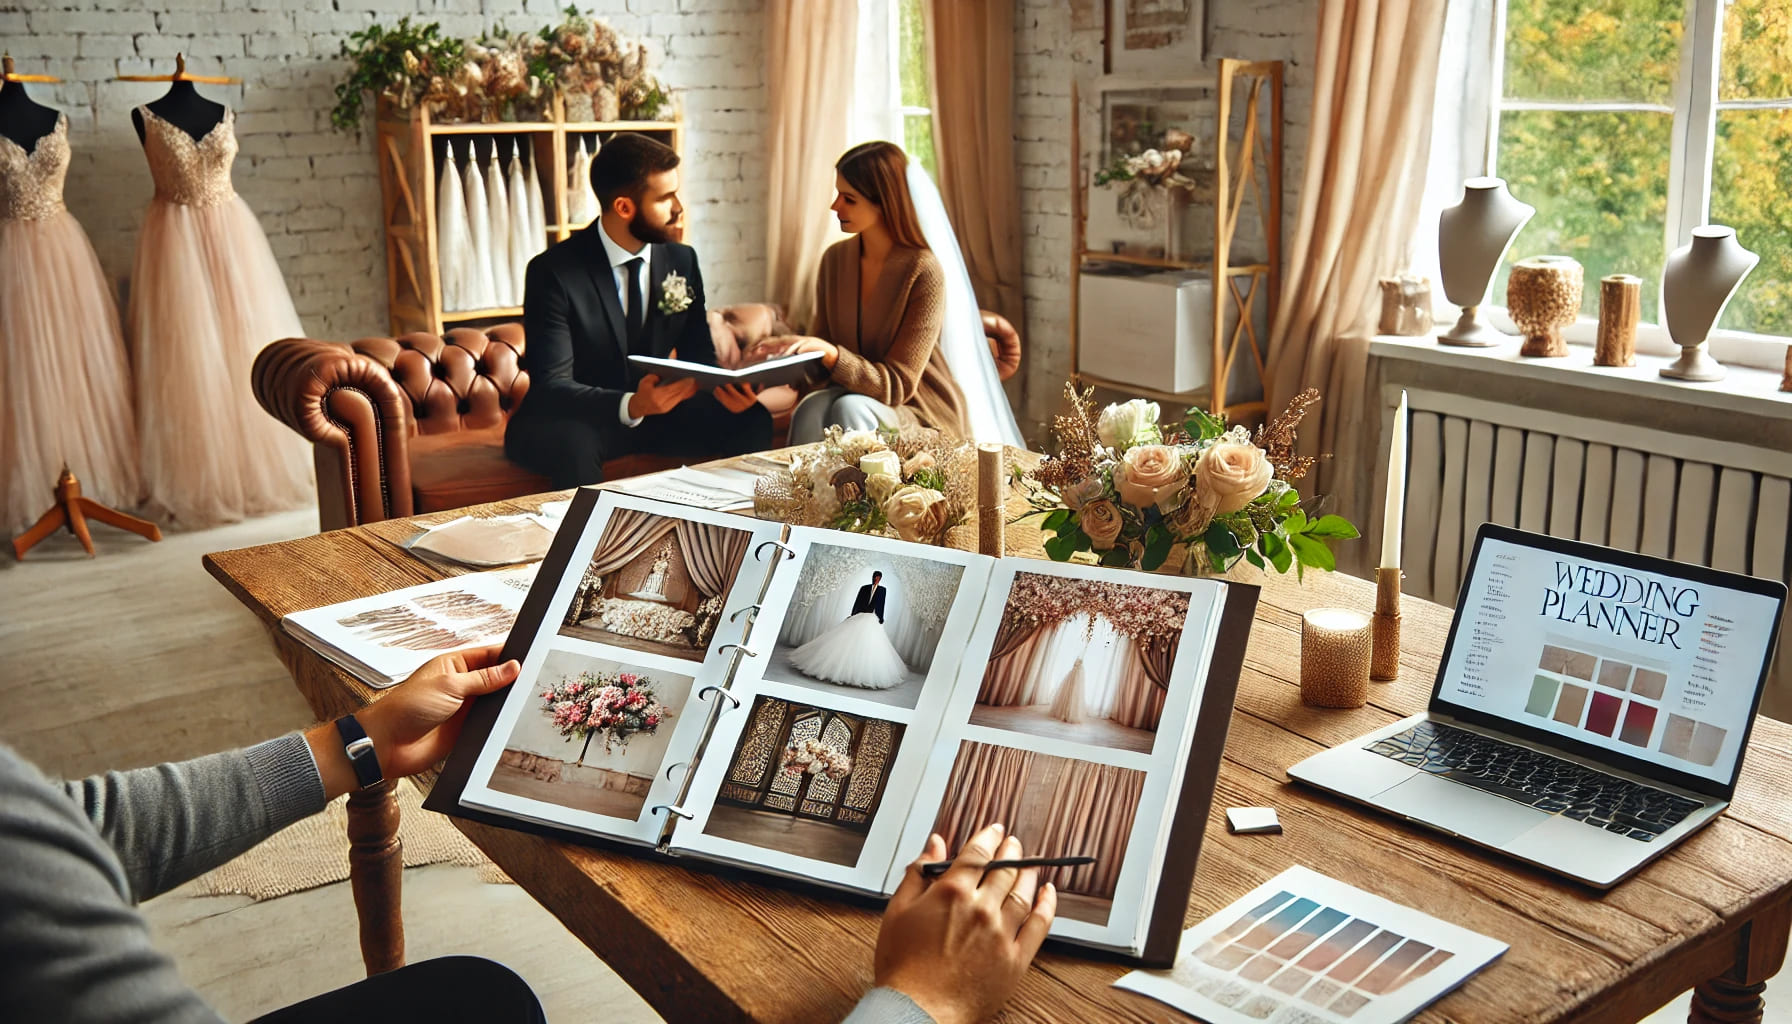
{"x":1394,"y":513}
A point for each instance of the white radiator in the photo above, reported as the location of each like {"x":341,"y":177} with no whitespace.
{"x":1687,"y":498}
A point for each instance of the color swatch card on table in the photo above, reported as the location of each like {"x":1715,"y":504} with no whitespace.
{"x":1306,"y":949}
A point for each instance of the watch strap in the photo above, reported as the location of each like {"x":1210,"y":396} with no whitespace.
{"x":359,"y":749}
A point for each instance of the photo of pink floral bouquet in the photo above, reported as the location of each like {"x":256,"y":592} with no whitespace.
{"x":813,"y":757}
{"x":617,"y":706}
{"x":1127,"y":489}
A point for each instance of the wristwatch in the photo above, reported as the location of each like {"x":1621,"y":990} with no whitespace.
{"x":360,"y":752}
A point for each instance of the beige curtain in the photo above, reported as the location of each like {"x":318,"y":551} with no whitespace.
{"x":986,"y":787}
{"x":972,"y":43}
{"x":1013,"y":678}
{"x":1092,"y":811}
{"x":627,"y":535}
{"x":1375,"y":80}
{"x":712,"y":554}
{"x":1138,"y":700}
{"x":808,"y":84}
{"x":1159,"y":656}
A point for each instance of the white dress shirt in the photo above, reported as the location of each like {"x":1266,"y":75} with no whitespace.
{"x":619,"y":258}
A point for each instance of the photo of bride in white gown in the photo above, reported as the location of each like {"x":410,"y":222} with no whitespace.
{"x":864,"y":623}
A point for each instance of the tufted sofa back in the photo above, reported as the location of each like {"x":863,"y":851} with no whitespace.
{"x":468,"y":379}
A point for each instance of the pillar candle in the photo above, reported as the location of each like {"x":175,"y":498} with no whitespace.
{"x":1335,"y":645}
{"x":1393,"y":513}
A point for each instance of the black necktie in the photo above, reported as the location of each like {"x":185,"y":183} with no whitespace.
{"x":637,"y":309}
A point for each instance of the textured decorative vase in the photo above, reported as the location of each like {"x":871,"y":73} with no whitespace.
{"x":1472,"y":239}
{"x":578,"y":107}
{"x":1405,"y":305}
{"x":1542,"y":297}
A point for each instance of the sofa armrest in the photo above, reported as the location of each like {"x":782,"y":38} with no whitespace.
{"x":1004,"y":343}
{"x":356,"y":418}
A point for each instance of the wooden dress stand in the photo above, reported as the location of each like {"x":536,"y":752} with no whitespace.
{"x":72,"y":510}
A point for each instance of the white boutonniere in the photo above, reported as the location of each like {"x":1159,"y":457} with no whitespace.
{"x":675,"y":293}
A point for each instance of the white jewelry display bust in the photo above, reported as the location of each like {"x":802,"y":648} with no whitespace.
{"x":1472,"y":239}
{"x":1696,"y":284}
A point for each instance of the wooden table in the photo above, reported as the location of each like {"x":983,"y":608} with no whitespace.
{"x":697,"y":946}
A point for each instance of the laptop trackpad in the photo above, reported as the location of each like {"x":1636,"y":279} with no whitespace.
{"x":1464,"y":810}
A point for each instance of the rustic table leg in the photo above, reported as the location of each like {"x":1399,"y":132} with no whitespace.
{"x":376,"y":873}
{"x":1734,"y":997}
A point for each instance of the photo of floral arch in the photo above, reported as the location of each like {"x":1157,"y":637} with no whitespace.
{"x":656,"y":584}
{"x":1060,"y":807}
{"x":805,"y":781}
{"x":1085,"y":661}
{"x":593,"y":735}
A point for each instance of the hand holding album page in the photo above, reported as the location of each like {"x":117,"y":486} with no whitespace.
{"x":1306,"y":949}
{"x":812,"y":704}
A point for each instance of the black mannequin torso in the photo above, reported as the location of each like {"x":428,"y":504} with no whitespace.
{"x":23,"y":119}
{"x":184,"y":108}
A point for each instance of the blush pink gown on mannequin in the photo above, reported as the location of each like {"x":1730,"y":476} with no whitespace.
{"x":206,"y":296}
{"x":65,"y":389}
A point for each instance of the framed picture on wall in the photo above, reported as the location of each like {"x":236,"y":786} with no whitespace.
{"x":1156,"y":36}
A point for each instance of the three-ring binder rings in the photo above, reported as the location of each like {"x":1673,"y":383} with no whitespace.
{"x":811,"y":704}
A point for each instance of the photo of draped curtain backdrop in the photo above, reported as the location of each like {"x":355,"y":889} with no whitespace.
{"x":549,"y":757}
{"x":918,"y":596}
{"x":656,"y":584}
{"x":1082,"y":661}
{"x":1058,"y":806}
{"x":819,"y":807}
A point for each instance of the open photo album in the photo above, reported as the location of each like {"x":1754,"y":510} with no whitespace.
{"x":812,"y":704}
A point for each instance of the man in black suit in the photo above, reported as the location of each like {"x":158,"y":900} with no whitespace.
{"x":871,"y":597}
{"x":623,"y":286}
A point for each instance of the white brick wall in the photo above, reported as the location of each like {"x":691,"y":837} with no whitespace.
{"x":1048,"y":55}
{"x":316,"y":190}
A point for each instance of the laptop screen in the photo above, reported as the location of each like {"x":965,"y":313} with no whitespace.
{"x":1631,"y":655}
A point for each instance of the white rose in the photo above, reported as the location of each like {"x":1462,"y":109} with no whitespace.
{"x":884,"y":463}
{"x":1129,"y":423}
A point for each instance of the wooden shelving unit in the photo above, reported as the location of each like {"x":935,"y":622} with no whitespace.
{"x":411,"y":148}
{"x":1247,"y":169}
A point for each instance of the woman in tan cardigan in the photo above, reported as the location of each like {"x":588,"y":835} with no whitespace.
{"x":880,"y":302}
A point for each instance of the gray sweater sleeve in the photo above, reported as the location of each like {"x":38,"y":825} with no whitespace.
{"x":73,"y":948}
{"x":887,"y":1006}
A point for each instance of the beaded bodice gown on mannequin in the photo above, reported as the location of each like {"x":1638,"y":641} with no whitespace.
{"x":65,"y":392}
{"x":206,"y":296}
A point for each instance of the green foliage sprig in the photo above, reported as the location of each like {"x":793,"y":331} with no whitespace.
{"x":401,"y":61}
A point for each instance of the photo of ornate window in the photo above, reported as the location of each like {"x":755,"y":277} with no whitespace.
{"x":805,"y":781}
{"x":656,"y":584}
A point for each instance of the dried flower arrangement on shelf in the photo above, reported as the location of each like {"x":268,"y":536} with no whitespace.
{"x":1123,"y":487}
{"x":1146,"y":174}
{"x":914,"y":483}
{"x":500,"y":76}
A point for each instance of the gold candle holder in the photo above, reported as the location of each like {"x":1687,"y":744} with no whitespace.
{"x":1386,"y":662}
{"x":992,"y":500}
{"x":1334,"y":657}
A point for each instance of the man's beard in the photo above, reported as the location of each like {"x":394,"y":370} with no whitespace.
{"x":653,"y":234}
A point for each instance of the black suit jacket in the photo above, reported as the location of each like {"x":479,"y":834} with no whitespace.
{"x":576,"y":343}
{"x":870,"y":602}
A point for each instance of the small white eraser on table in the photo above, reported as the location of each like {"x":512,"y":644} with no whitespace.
{"x":1245,"y":820}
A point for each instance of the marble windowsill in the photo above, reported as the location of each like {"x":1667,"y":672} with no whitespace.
{"x":1745,"y":389}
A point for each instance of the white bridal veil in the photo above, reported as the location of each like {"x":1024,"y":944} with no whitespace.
{"x":962,"y":339}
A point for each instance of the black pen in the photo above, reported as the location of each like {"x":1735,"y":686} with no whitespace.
{"x":934,"y":869}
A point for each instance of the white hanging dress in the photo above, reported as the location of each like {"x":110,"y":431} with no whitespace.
{"x":497,"y":212}
{"x":452,"y":241}
{"x":581,"y":200}
{"x":1067,"y":706}
{"x":480,"y":293}
{"x":538,"y":214}
{"x":522,"y":227}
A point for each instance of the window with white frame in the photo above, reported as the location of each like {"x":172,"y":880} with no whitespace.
{"x":1627,"y":123}
{"x":892,"y":90}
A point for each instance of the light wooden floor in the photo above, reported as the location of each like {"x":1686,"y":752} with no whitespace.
{"x":138,"y":656}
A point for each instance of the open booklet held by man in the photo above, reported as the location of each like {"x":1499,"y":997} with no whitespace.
{"x":812,"y":704}
{"x":770,"y":373}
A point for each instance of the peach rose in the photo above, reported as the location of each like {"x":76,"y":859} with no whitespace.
{"x":1151,"y":474}
{"x":916,"y":463}
{"x":916,"y":513}
{"x":1101,"y":521}
{"x":1230,"y":476}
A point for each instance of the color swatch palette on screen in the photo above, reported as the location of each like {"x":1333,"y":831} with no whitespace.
{"x":1306,"y":949}
{"x":1615,"y":699}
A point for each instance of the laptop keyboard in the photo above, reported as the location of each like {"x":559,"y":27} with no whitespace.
{"x":1547,"y":783}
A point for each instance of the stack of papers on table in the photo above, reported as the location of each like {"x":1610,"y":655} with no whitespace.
{"x":486,"y":542}
{"x":724,"y":490}
{"x":383,"y":638}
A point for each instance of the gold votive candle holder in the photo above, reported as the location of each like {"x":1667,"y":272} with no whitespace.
{"x":1335,"y":647}
{"x":1385,"y":664}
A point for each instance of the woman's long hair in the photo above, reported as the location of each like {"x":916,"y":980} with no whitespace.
{"x":879,"y":172}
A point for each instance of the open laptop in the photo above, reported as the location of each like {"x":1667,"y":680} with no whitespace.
{"x":1590,"y":712}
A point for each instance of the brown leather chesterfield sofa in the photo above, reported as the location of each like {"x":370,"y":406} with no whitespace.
{"x":404,"y":426}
